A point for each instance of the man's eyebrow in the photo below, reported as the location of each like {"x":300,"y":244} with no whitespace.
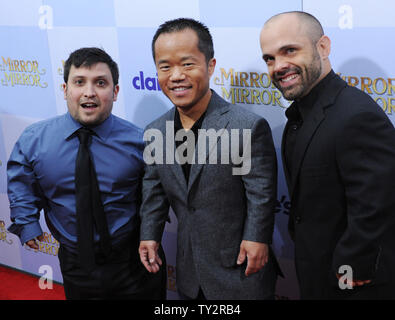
{"x":81,"y":76}
{"x":104,"y":76}
{"x":266,"y":56}
{"x":287,"y":46}
{"x":282,"y":48}
{"x":162,"y":61}
{"x":182,"y":59}
{"x":188,"y":58}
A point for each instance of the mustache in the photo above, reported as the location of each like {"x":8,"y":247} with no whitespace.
{"x":89,"y":101}
{"x":279,"y":74}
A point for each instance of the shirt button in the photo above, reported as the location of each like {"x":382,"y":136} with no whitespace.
{"x":295,"y":127}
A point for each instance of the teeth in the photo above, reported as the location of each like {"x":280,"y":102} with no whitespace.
{"x":289,"y":78}
{"x":88,"y":105}
{"x":179,"y":89}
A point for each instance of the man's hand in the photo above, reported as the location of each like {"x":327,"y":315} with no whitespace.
{"x":257,"y":254}
{"x":355,"y":283}
{"x":33,"y":244}
{"x":149,"y":255}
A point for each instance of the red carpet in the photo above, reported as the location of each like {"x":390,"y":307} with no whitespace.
{"x":16,"y":285}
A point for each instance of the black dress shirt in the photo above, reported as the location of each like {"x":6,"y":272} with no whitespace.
{"x":186,"y":167}
{"x":297,"y":114}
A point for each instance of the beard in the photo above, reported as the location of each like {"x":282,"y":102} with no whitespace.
{"x":308,"y":76}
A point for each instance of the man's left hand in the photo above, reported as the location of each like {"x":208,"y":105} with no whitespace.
{"x":257,"y":255}
{"x":355,"y":283}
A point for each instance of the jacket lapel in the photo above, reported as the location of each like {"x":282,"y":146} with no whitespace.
{"x":285,"y":167}
{"x":303,"y":140}
{"x":311,"y":125}
{"x":214,"y":119}
{"x":171,"y":163}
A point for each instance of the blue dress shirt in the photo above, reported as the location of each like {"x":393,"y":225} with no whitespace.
{"x":41,"y":172}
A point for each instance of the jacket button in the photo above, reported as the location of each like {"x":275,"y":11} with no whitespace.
{"x":192,"y":209}
{"x":298,"y":219}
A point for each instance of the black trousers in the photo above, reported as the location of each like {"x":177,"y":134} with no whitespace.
{"x":121,"y":276}
{"x":366,"y":292}
{"x":200,"y":296}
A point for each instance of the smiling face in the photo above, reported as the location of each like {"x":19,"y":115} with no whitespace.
{"x":90,"y":93}
{"x":295,"y":62}
{"x":183,"y":73}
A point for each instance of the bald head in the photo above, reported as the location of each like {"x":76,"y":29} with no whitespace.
{"x":296,"y":52}
{"x":307,"y":23}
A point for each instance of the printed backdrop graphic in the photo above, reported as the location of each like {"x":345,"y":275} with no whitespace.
{"x":37,"y":36}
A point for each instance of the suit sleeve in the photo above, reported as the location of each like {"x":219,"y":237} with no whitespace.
{"x":260,"y":185}
{"x":366,"y":159}
{"x":23,"y":193}
{"x":155,"y":206}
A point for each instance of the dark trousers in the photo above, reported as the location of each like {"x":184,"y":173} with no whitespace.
{"x":366,"y":292}
{"x":121,"y":276}
{"x":200,"y":296}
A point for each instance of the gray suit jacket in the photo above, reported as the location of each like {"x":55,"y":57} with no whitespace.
{"x":217,"y":209}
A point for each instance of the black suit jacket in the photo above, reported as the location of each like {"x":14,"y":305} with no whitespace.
{"x":342,"y":192}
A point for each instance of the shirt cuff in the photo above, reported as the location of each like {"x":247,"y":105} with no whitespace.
{"x":26,"y":232}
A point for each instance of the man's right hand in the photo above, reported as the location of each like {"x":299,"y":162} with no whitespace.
{"x":33,"y":244}
{"x":149,"y":257}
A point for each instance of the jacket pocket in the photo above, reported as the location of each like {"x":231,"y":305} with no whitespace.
{"x":229,"y":256}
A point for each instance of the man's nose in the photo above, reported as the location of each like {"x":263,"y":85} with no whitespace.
{"x":177,"y":74}
{"x":89,"y":90}
{"x":280,"y":65}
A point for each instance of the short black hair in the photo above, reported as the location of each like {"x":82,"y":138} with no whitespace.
{"x":205,"y":43}
{"x":88,"y":57}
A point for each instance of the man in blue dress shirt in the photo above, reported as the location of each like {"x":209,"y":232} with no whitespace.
{"x":41,"y":175}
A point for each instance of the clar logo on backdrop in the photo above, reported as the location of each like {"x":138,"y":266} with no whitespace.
{"x":49,"y":245}
{"x":142,"y":82}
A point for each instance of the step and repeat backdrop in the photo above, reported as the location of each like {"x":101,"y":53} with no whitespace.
{"x":37,"y":36}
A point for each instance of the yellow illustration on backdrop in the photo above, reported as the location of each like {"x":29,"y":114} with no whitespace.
{"x":22,"y":73}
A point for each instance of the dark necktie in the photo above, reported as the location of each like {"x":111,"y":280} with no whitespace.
{"x":89,"y":208}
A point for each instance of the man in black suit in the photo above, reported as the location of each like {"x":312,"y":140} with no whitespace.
{"x":338,"y":154}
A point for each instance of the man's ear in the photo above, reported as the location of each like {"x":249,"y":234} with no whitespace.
{"x":116,"y":90}
{"x":64,"y":87}
{"x":324,"y":47}
{"x":211,"y":66}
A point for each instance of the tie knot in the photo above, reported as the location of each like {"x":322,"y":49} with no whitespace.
{"x":84,"y":135}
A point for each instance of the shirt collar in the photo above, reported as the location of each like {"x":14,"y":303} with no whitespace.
{"x":292,"y":113}
{"x":102,"y":130}
{"x":178,"y":125}
{"x":300,"y":108}
{"x":306,"y":103}
{"x":177,"y":120}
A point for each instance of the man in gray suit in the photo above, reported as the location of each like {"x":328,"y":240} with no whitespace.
{"x":223,"y":194}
